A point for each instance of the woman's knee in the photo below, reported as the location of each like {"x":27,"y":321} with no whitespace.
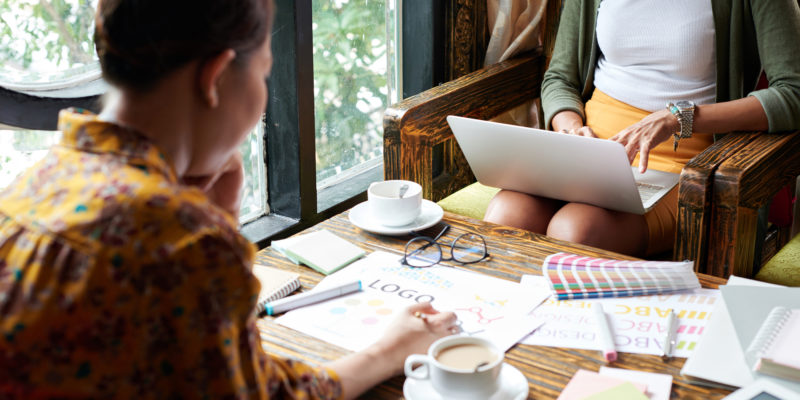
{"x":595,"y":226}
{"x":521,"y":210}
{"x":506,"y":206}
{"x":576,"y":223}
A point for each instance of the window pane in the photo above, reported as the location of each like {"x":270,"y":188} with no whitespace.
{"x":21,"y":149}
{"x":351,"y":86}
{"x":254,"y":195}
{"x":47,"y":43}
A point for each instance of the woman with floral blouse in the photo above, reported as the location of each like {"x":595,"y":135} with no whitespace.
{"x":122,"y":273}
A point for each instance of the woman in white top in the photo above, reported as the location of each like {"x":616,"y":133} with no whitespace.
{"x":618,"y":63}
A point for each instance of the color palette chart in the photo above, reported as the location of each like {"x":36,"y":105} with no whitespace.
{"x":639,"y":323}
{"x":573,"y":276}
{"x":488,"y":307}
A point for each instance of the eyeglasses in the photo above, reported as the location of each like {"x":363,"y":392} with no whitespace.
{"x":424,"y":251}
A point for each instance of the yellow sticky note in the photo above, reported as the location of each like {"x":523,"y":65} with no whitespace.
{"x":626,"y":391}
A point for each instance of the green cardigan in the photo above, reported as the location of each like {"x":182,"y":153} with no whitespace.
{"x":746,"y":31}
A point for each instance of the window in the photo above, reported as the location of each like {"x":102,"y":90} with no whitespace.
{"x":47,"y":44}
{"x":352,"y":51}
{"x":303,"y":190}
{"x":46,"y":49}
{"x":336,"y":69}
{"x":21,"y":149}
{"x":254,"y":192}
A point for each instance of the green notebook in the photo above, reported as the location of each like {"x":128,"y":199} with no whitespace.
{"x":322,"y":250}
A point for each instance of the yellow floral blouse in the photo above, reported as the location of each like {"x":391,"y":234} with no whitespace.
{"x":116,"y":281}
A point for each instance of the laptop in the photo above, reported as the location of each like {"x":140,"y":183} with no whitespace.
{"x":558,"y":166}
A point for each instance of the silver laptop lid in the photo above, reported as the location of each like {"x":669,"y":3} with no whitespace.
{"x":554,"y":165}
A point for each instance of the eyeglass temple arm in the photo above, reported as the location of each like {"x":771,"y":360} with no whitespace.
{"x":444,"y":230}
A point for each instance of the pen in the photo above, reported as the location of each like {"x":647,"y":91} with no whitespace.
{"x":606,"y":336}
{"x":423,"y":317}
{"x":311,"y":297}
{"x":672,"y":331}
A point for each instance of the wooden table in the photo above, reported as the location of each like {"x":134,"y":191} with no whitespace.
{"x":513,"y":254}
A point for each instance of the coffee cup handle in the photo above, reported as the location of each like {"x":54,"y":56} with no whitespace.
{"x":419,"y":373}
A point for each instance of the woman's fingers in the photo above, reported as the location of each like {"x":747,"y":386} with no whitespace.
{"x":644,"y":154}
{"x":225,"y":187}
{"x":443,"y":321}
{"x":635,"y":143}
{"x":424,"y":307}
{"x":437,"y":321}
{"x":582,"y":131}
{"x":200,"y":182}
{"x":587,"y":132}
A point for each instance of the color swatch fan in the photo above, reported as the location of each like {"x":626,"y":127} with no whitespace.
{"x":579,"y":277}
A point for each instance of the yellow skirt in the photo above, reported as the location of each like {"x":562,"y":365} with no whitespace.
{"x":607,"y":117}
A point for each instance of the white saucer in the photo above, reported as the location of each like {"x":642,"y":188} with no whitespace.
{"x":429,"y":216}
{"x":513,"y":386}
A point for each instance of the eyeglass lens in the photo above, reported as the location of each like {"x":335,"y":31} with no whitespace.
{"x":469,"y":248}
{"x":425,"y":252}
{"x":422,"y":252}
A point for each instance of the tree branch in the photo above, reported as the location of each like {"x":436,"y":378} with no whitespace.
{"x":76,"y":53}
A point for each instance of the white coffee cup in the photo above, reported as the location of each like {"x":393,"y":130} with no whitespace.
{"x":388,"y":208}
{"x":474,"y":382}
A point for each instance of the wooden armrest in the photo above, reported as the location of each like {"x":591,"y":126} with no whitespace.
{"x":743,"y":183}
{"x":711,"y":282}
{"x":694,"y":198}
{"x":414,"y":126}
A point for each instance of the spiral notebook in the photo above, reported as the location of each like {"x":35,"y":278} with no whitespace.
{"x":775,"y":350}
{"x":275,"y":284}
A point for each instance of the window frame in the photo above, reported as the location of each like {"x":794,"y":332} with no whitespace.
{"x":289,"y":140}
{"x":292,"y":183}
{"x":16,"y":109}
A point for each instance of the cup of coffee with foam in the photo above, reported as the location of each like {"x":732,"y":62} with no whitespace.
{"x":459,"y":367}
{"x":395,"y":202}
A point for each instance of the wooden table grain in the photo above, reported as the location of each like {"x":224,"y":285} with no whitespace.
{"x":513,"y":253}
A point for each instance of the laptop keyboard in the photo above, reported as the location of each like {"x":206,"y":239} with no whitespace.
{"x":647,"y":191}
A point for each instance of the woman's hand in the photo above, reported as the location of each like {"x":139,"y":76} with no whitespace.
{"x":406,"y":335}
{"x":581,"y":131}
{"x":646,"y":134}
{"x":571,"y":123}
{"x":224,"y":188}
{"x":409,"y":334}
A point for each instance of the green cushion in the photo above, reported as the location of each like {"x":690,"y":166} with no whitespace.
{"x":784,"y":267}
{"x":470,"y":201}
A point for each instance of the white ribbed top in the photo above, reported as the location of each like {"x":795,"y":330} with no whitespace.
{"x":655,"y":51}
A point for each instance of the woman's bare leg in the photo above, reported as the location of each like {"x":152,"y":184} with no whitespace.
{"x":522,"y":210}
{"x":595,"y":226}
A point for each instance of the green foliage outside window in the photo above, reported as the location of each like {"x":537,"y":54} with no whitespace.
{"x":42,"y":38}
{"x":46,"y":40}
{"x":350,"y":82}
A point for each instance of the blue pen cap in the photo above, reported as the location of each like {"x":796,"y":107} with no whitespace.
{"x":268,"y":309}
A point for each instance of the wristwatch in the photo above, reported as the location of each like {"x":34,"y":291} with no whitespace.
{"x":684,"y":111}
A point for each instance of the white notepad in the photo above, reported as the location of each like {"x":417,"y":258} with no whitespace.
{"x":718,"y":359}
{"x":321,"y":250}
{"x":775,"y":350}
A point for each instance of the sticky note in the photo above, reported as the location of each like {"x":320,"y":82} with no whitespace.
{"x":586,"y":383}
{"x":625,"y":391}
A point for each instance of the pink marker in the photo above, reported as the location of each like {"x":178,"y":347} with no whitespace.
{"x":605,"y":333}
